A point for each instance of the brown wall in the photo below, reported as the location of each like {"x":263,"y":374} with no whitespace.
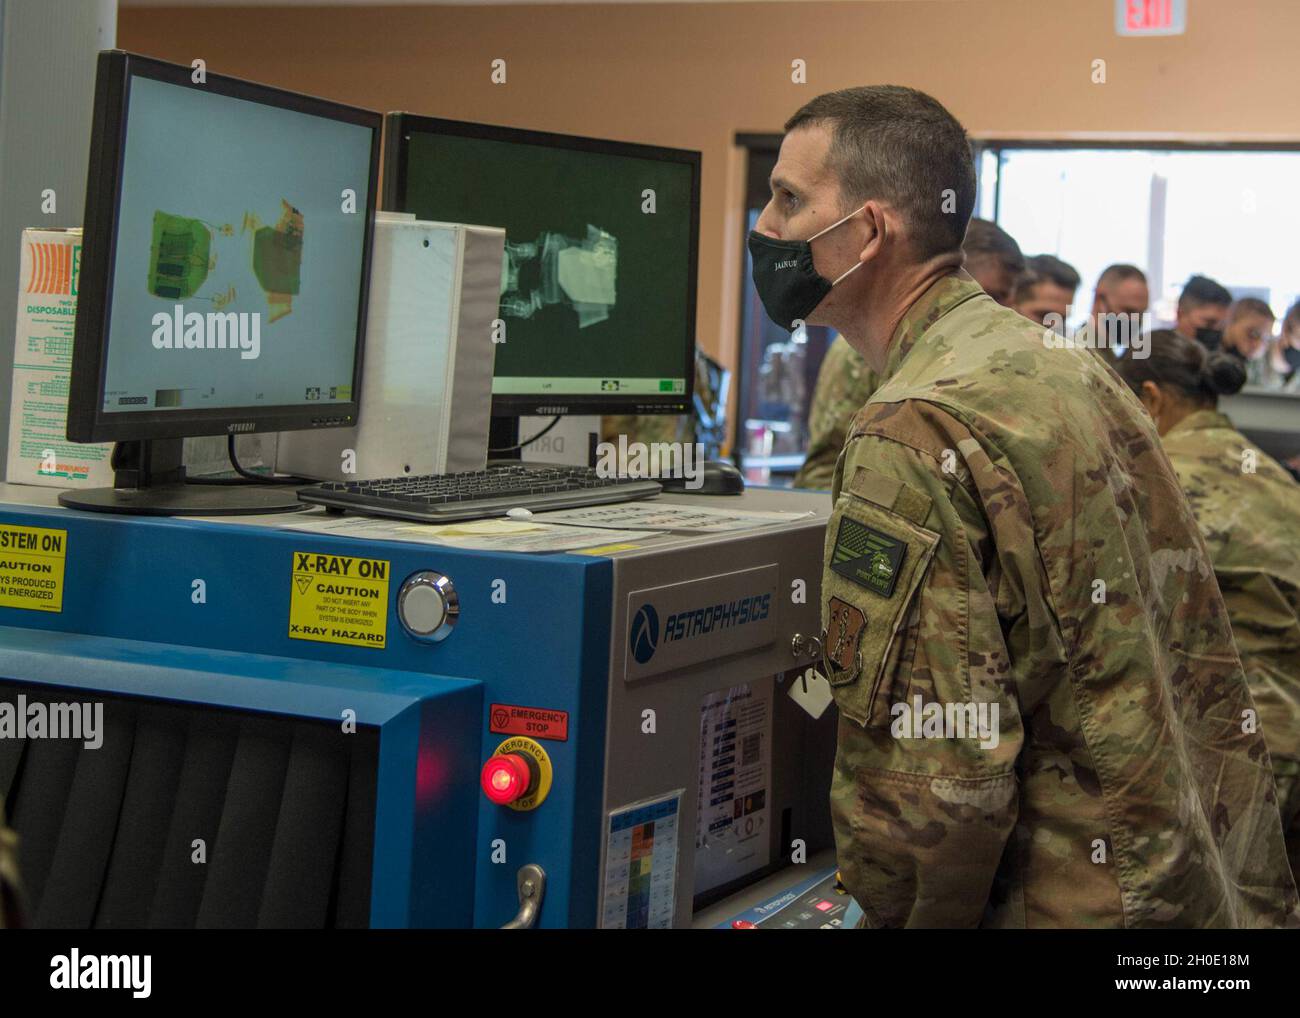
{"x":691,"y":75}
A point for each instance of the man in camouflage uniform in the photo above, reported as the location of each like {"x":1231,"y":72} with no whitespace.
{"x":1027,"y":579}
{"x":1248,"y":509}
{"x":844,"y":382}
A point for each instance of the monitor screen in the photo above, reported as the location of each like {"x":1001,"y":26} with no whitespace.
{"x":234,"y":243}
{"x":597,"y":308}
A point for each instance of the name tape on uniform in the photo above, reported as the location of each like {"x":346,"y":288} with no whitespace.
{"x":31,"y":567}
{"x":339,"y":599}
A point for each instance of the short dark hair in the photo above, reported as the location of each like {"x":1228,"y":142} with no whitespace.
{"x":1201,"y":376}
{"x":1249,"y":306}
{"x":901,"y":146}
{"x":1291,"y":320}
{"x":1119,"y":272}
{"x":1201,"y":290}
{"x":1053,"y":270}
{"x":985,"y":239}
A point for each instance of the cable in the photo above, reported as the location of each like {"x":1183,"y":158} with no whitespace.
{"x":512,"y":448}
{"x":245,"y":476}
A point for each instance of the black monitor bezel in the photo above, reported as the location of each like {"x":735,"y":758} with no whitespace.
{"x":397,"y":126}
{"x":87,"y":420}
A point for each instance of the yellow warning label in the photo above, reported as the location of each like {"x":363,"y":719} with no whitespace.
{"x":31,"y":567}
{"x":339,"y":599}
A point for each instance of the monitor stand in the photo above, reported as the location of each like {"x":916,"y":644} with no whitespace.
{"x":149,"y":480}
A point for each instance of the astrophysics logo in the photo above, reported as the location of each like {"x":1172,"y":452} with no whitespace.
{"x":645,"y":633}
{"x":643,"y":636}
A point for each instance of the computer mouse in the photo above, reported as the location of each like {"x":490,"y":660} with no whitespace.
{"x":719,"y":478}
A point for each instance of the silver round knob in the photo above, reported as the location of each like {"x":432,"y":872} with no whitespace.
{"x":427,"y":606}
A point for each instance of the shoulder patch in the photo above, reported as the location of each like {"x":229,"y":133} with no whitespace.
{"x":867,"y":556}
{"x":843,"y":637}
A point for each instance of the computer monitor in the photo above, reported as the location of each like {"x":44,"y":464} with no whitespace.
{"x":599,"y":276}
{"x":223,"y":283}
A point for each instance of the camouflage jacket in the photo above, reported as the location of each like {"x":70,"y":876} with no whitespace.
{"x":844,"y":383}
{"x":1248,"y":509}
{"x":1007,"y":533}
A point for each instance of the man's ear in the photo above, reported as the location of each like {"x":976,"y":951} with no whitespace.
{"x":1152,"y":398}
{"x":880,"y":230}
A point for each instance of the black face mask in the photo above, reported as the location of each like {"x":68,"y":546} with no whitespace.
{"x":1292,"y":356}
{"x":1211,"y":339}
{"x":787,"y":283}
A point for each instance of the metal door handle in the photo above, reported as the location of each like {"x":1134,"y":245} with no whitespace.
{"x":531,"y":882}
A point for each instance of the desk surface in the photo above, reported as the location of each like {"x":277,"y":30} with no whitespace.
{"x":815,"y":503}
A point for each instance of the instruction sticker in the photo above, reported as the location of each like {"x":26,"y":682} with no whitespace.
{"x":31,"y":567}
{"x":339,"y":599}
{"x":733,"y":835}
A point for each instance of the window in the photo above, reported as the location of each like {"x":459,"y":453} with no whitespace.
{"x":1230,"y":213}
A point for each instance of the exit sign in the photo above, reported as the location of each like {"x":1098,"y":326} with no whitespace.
{"x":1150,"y":17}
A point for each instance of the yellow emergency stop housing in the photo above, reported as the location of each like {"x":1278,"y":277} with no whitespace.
{"x":533,"y":749}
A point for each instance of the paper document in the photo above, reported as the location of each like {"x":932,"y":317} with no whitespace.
{"x":482,"y":535}
{"x":661,"y":516}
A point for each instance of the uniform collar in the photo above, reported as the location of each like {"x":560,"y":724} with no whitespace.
{"x":1200,"y":420}
{"x":943,"y":295}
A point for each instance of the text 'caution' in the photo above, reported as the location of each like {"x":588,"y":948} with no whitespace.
{"x":339,"y":599}
{"x":31,"y":567}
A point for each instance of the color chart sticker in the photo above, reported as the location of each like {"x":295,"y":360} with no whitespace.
{"x":31,"y":567}
{"x":640,"y":890}
{"x":339,"y":599}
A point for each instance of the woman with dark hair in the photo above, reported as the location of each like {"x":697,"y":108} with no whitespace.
{"x":1248,"y":508}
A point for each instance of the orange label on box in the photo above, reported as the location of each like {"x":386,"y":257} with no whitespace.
{"x":538,"y":722}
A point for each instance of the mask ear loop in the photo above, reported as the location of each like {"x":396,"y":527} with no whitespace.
{"x":835,"y":224}
{"x":849,"y":273}
{"x":828,"y":230}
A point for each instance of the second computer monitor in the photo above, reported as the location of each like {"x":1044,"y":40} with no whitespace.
{"x":599,"y":275}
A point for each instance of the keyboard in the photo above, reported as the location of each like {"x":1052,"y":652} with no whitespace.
{"x":478,"y":494}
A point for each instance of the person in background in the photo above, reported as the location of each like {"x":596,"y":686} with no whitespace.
{"x":844,"y":382}
{"x":1280,"y":368}
{"x":1246,"y":333}
{"x":1202,"y":307}
{"x":1121,"y":290}
{"x":1046,"y":287}
{"x":1248,"y":510}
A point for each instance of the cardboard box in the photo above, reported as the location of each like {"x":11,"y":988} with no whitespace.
{"x":39,"y":451}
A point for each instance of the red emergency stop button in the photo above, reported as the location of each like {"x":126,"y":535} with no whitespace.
{"x":743,"y":924}
{"x":506,"y":778}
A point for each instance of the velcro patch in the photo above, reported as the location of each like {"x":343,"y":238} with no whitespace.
{"x":867,"y":557}
{"x":844,"y":625}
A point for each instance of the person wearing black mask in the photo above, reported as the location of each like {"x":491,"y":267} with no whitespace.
{"x":1202,"y":307}
{"x":1281,"y":366}
{"x":1246,"y":333}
